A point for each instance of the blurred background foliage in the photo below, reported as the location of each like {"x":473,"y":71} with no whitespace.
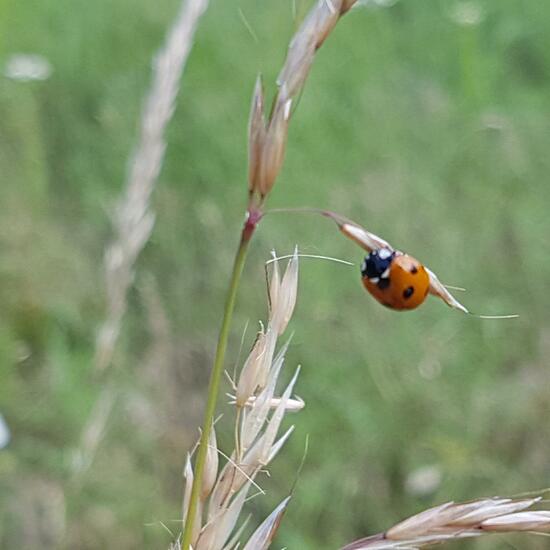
{"x":428,"y":122}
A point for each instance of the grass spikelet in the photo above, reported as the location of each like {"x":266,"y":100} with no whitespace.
{"x":274,"y":143}
{"x":254,"y":419}
{"x":267,"y":139}
{"x":258,"y":417}
{"x":452,"y":521}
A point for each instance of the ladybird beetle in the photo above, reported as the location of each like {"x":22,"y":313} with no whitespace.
{"x":396,"y":280}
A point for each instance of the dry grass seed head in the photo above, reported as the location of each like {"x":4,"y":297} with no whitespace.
{"x":267,"y":142}
{"x":452,"y":521}
{"x":312,"y":33}
{"x":257,"y":429}
{"x":467,"y":515}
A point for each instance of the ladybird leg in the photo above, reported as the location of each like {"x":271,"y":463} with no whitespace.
{"x":437,"y":289}
{"x":367,"y":241}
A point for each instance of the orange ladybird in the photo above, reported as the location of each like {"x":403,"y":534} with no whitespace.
{"x":396,"y":280}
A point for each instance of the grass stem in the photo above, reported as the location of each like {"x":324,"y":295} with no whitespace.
{"x":216,"y":375}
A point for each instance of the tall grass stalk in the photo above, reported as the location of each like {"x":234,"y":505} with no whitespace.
{"x":267,"y":143}
{"x":223,"y":492}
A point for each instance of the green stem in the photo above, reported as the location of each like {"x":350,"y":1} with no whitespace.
{"x":215,"y":377}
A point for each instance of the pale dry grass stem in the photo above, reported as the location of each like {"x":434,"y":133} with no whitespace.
{"x":133,"y":219}
{"x":258,"y":417}
{"x":451,"y":521}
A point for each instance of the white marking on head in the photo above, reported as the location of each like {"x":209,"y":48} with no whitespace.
{"x":374,"y":280}
{"x":386,"y":273}
{"x":384,"y":253}
{"x":364,"y":265}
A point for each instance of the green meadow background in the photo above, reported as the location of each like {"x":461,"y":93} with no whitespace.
{"x":431,"y":132}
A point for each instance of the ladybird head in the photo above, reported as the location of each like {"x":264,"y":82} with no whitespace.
{"x":376,"y":266}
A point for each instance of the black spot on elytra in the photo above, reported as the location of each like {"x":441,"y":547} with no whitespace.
{"x":408,"y":292}
{"x":414,"y":270}
{"x":383,"y":284}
